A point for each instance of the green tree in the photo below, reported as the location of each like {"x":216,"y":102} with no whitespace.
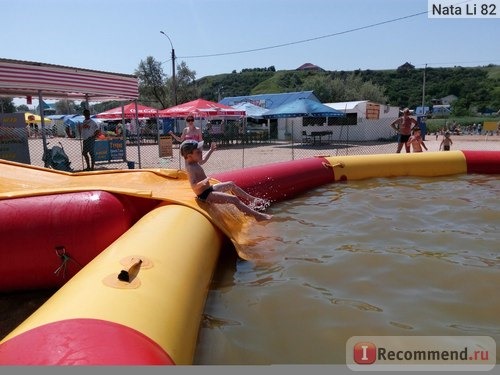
{"x":7,"y":105}
{"x":152,"y":83}
{"x":345,"y":88}
{"x":323,"y":87}
{"x":187,"y":89}
{"x":65,"y":107}
{"x":460,"y":108}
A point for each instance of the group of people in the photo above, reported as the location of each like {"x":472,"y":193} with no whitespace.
{"x":410,"y":135}
{"x":191,"y":149}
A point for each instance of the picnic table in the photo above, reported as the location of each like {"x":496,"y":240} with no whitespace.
{"x":319,"y":135}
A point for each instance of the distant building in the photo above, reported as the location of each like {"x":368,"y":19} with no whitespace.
{"x":447,"y":100}
{"x":309,"y":66}
{"x":422,"y":111}
{"x":441,"y":110}
{"x":406,"y":67}
{"x":367,"y":120}
{"x":370,"y":121}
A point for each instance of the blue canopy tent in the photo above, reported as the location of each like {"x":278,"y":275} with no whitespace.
{"x":251,"y":110}
{"x":302,"y":108}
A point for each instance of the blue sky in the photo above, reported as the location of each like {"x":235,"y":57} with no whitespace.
{"x":115,"y":35}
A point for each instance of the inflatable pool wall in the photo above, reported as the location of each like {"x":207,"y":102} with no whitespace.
{"x":286,"y":180}
{"x":47,"y":239}
{"x":95,"y":319}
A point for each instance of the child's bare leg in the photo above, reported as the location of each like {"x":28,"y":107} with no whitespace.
{"x":220,"y":197}
{"x":239,"y":192}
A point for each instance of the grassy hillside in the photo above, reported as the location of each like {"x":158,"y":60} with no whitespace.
{"x":478,"y":88}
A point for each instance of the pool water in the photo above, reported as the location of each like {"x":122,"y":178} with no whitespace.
{"x":388,"y":256}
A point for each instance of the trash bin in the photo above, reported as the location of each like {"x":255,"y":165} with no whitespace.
{"x":131,"y":164}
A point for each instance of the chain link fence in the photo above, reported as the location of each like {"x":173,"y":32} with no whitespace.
{"x":271,"y":142}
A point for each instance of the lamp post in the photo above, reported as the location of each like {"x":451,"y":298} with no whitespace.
{"x":173,"y":69}
{"x":423,"y":91}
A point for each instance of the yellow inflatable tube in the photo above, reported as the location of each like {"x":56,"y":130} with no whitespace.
{"x":152,"y":318}
{"x":428,"y":164}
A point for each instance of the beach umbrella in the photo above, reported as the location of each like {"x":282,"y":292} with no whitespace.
{"x":200,"y":108}
{"x":302,"y":108}
{"x":129,"y":111}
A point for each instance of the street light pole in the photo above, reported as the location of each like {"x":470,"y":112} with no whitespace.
{"x":423,"y":92}
{"x":174,"y":85}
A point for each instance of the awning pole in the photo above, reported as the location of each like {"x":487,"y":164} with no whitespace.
{"x":124,"y":135}
{"x":137,"y":126}
{"x":42,"y":122}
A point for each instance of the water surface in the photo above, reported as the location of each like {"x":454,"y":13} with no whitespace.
{"x":401,"y":256}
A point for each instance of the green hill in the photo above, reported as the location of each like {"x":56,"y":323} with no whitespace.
{"x":477,"y":88}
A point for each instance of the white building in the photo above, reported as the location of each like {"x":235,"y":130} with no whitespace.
{"x":372,"y":120}
{"x":364,"y":121}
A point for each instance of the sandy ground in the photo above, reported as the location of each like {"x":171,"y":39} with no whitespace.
{"x":237,"y":156}
{"x":16,"y":307}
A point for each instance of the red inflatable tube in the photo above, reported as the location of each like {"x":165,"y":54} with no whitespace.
{"x":82,"y":342}
{"x":482,"y":162}
{"x":281,"y":181}
{"x":45,"y":240}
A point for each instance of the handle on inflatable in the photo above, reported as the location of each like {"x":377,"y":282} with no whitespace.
{"x":328,"y":165}
{"x":132,"y":272}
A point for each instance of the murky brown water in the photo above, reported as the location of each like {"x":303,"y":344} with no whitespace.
{"x":403,"y":256}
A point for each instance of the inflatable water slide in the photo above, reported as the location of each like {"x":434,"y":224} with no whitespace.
{"x":132,"y":252}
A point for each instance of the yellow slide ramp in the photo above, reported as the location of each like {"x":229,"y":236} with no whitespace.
{"x":170,"y":185}
{"x":95,"y":318}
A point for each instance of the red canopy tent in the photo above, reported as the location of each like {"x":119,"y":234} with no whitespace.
{"x":129,"y":111}
{"x":200,"y":108}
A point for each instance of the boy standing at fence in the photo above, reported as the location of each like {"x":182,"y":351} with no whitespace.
{"x":191,"y":150}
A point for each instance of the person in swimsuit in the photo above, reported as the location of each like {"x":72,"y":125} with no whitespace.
{"x":189,"y":132}
{"x":446,"y":142}
{"x":403,"y":126}
{"x":416,"y":141}
{"x":218,"y":193}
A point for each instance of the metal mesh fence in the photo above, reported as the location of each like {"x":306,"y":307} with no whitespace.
{"x":150,"y":149}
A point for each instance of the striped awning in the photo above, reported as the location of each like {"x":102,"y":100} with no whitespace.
{"x":25,"y":78}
